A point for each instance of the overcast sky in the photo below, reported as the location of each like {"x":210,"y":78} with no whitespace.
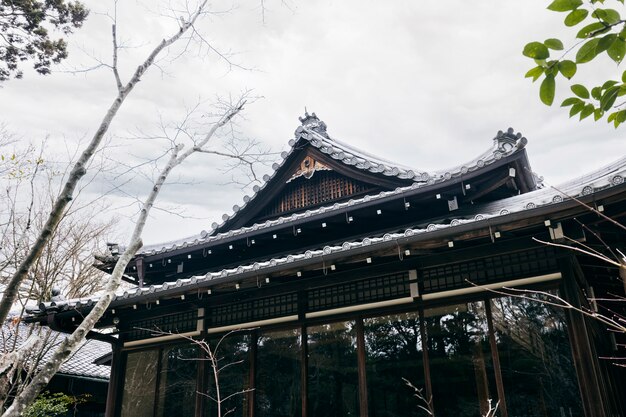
{"x":424,"y":83}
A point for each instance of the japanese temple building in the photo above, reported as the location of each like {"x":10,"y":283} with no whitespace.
{"x":346,"y":275}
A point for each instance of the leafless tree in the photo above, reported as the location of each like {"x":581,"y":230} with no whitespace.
{"x":425,"y":403}
{"x":177,"y":155}
{"x":212,"y":352}
{"x":186,"y":19}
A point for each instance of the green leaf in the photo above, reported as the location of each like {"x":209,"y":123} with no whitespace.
{"x":554,"y":43}
{"x":576,"y":17}
{"x":587,"y":52}
{"x":606,"y":42}
{"x":622,"y":91}
{"x":608,"y":98}
{"x":570,"y":101}
{"x":597,"y":114}
{"x":576,"y":108}
{"x":609,"y":16}
{"x":624,"y":76}
{"x":586,"y":111}
{"x":609,"y":84}
{"x":580,"y":90}
{"x":534,"y":73}
{"x":611,"y":117}
{"x":536,"y":50}
{"x":596,"y":92}
{"x":567,"y":68}
{"x":617,"y":50}
{"x":617,"y":118}
{"x":595,"y":28}
{"x":564,"y":5}
{"x":546,"y":91}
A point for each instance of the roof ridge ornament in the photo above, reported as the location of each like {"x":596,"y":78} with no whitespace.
{"x":311,"y":122}
{"x":509,"y":141}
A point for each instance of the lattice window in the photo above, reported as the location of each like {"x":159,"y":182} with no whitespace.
{"x":322,"y":187}
{"x":361,"y":292}
{"x":179,"y":322}
{"x":496,"y":268}
{"x":254,"y":310}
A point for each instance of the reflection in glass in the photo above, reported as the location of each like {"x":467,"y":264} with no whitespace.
{"x":277,"y":390}
{"x":333,"y":376}
{"x":177,"y":381}
{"x":460,"y":361}
{"x":233,"y":364}
{"x":140,"y":384}
{"x":393,"y":351}
{"x":535,"y":358}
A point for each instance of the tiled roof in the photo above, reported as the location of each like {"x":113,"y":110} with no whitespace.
{"x":504,"y":144}
{"x":80,"y":364}
{"x":610,"y":176}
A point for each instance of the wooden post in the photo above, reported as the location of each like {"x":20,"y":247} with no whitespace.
{"x":304,"y":370}
{"x":495,"y":356}
{"x":427,"y":381}
{"x":201,"y":383}
{"x":254,"y":338}
{"x":116,"y":384}
{"x":360,"y":346}
{"x":582,"y":353}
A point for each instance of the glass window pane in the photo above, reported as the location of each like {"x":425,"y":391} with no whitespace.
{"x":177,"y":381}
{"x":233,"y":375}
{"x":333,"y":376}
{"x":535,"y":358}
{"x":461,"y":369}
{"x":139,"y":384}
{"x":277,"y":390}
{"x":394,"y":351}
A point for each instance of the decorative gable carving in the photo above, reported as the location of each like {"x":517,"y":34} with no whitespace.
{"x":308,"y":167}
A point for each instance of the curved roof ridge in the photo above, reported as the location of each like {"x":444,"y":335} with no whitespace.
{"x":367,"y":155}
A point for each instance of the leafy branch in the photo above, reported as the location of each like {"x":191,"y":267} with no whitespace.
{"x":603,"y":31}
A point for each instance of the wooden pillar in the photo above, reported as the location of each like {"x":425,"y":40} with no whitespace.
{"x":254,"y":338}
{"x":201,"y":383}
{"x":116,"y":382}
{"x":427,"y":381}
{"x":304,"y":370}
{"x":157,"y":387}
{"x":582,"y":352}
{"x":360,"y":349}
{"x":495,"y":356}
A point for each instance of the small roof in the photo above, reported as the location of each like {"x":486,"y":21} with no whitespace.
{"x":81,"y":364}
